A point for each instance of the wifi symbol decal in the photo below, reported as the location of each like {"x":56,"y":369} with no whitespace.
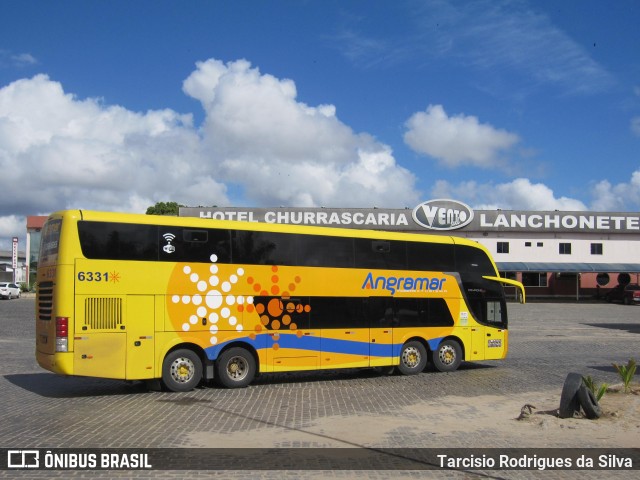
{"x":169,"y":237}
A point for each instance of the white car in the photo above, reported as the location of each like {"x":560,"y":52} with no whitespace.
{"x":9,"y":290}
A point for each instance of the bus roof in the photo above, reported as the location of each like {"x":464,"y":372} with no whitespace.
{"x":194,"y":222}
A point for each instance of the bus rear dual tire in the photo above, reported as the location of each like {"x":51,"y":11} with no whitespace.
{"x":446,"y":358}
{"x":235,"y":368}
{"x":182,"y":369}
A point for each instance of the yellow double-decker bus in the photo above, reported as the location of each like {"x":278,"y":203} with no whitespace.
{"x":186,"y":300}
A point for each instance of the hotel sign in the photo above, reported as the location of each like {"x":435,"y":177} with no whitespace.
{"x":434,"y":216}
{"x":14,"y":253}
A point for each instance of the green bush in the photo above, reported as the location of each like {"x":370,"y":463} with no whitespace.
{"x":626,"y":373}
{"x":598,"y":390}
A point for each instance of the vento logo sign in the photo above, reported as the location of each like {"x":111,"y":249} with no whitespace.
{"x":442,"y":214}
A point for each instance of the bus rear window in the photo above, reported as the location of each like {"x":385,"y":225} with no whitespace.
{"x":49,"y":241}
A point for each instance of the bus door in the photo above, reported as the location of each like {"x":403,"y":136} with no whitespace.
{"x":140,"y":329}
{"x":495,"y":331}
{"x":382,"y":317}
{"x":489,"y":336}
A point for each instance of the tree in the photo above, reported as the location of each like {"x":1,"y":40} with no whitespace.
{"x":164,"y":208}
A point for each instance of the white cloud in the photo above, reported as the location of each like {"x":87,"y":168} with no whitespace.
{"x":635,"y":125}
{"x":519,"y":194}
{"x":16,"y":60}
{"x":620,"y":197}
{"x":284,"y":152}
{"x":58,"y":151}
{"x":457,"y":140}
{"x":11,"y":226}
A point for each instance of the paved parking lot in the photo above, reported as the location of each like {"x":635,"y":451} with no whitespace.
{"x":330,"y":409}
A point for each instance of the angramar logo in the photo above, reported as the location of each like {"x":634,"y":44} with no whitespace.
{"x":442,"y":214}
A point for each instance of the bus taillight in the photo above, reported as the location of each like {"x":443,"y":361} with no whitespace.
{"x":62,"y":332}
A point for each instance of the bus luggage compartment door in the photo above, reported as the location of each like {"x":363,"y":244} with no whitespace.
{"x":99,"y":341}
{"x":140,"y":323}
{"x":99,"y":355}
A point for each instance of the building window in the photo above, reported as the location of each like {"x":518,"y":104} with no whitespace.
{"x":540,"y":244}
{"x":596,"y":249}
{"x":534,"y":279}
{"x":527,"y":244}
{"x":565,"y":249}
{"x":503,"y":247}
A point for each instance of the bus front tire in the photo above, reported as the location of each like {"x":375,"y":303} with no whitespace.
{"x":413,"y":358}
{"x":235,"y":368}
{"x":448,"y":356}
{"x":181,"y":370}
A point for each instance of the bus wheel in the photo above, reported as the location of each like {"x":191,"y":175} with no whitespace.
{"x":413,"y":358}
{"x":236,"y":368}
{"x":181,"y":370}
{"x":448,"y":356}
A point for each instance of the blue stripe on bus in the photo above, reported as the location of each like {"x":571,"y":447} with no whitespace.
{"x":315,"y":344}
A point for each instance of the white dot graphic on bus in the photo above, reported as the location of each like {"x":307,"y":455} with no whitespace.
{"x":214,"y":300}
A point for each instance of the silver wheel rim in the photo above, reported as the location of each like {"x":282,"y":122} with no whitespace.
{"x":237,"y":368}
{"x":447,"y":355}
{"x":182,"y":370}
{"x":411,"y":357}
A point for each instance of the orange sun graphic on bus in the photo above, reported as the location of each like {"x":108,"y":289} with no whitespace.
{"x":277,"y":311}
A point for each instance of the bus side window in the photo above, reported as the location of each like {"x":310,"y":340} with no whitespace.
{"x":384,"y":254}
{"x":325,"y":251}
{"x":337,"y":312}
{"x":380,"y":311}
{"x":118,"y":241}
{"x":179,"y":244}
{"x":494,"y":313}
{"x":264,"y":248}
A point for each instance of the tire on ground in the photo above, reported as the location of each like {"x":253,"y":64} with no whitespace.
{"x":181,"y":370}
{"x":448,"y":356}
{"x":413,"y":358}
{"x":569,"y":402}
{"x":235,"y":368}
{"x":589,"y":403}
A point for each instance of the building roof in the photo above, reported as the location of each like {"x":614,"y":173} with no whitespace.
{"x":35,"y":221}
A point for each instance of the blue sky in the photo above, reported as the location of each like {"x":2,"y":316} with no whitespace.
{"x":116,"y":105}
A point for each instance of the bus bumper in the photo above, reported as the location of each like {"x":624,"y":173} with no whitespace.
{"x":61,"y":363}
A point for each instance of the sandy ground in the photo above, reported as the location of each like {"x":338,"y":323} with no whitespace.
{"x":458,"y":422}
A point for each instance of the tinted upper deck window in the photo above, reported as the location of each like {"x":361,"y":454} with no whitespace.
{"x":383,"y":254}
{"x":118,"y":241}
{"x":325,"y":251}
{"x":430,"y":256}
{"x":182,"y":244}
{"x":263,"y":248}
